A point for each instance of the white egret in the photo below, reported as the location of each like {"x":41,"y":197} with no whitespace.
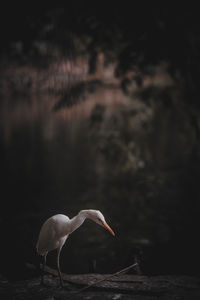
{"x":56,"y":230}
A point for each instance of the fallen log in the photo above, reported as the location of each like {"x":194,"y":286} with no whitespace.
{"x":122,"y":286}
{"x":97,"y":282}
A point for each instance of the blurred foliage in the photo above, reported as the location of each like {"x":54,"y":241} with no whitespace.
{"x":136,"y":36}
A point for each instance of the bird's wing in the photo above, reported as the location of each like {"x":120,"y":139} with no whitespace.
{"x":47,"y":240}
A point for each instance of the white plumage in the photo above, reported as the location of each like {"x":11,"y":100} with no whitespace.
{"x":56,"y":230}
{"x":51,"y":236}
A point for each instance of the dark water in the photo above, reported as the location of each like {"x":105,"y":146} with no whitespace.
{"x":64,"y":160}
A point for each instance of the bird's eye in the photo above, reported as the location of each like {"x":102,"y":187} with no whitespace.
{"x":99,"y":219}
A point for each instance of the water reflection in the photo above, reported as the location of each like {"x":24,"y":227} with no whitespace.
{"x":31,"y":111}
{"x":107,"y":152}
{"x":46,"y":161}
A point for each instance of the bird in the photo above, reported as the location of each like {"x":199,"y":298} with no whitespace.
{"x":55,"y":231}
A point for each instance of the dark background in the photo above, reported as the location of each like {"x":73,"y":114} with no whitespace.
{"x":138,"y":162}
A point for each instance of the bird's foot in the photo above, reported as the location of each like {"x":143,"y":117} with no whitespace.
{"x":43,"y":284}
{"x":64,"y":287}
{"x":61,"y":284}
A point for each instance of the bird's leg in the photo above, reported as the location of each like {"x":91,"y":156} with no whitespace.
{"x":43,"y":269}
{"x":58,"y":267}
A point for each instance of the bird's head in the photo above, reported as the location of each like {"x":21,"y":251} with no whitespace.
{"x":97,"y":217}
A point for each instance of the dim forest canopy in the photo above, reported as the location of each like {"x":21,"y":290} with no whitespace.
{"x":100,"y":109}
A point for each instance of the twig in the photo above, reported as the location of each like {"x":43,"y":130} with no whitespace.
{"x":107,"y":277}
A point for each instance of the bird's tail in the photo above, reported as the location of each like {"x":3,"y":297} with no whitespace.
{"x":37,"y":248}
{"x":39,"y":251}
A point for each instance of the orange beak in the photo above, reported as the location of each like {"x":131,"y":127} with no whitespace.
{"x":108,"y":228}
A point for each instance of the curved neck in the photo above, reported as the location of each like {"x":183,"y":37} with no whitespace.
{"x":78,"y":220}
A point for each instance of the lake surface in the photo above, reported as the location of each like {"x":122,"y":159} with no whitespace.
{"x":59,"y":158}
